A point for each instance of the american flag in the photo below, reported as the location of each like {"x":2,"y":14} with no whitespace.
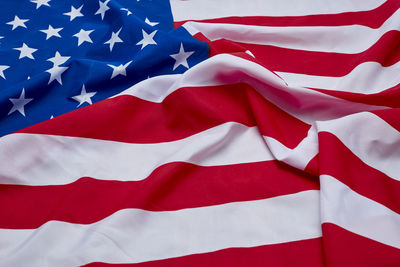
{"x":200,"y":133}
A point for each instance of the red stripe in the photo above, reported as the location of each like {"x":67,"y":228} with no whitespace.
{"x":385,"y":51}
{"x":389,"y":97}
{"x":371,"y":18}
{"x":338,"y":161}
{"x":313,"y":166}
{"x":170,"y":187}
{"x":306,"y":253}
{"x":344,"y":248}
{"x":391,"y":116}
{"x":185,"y":112}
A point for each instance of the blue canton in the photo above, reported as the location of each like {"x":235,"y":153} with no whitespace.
{"x":59,"y":55}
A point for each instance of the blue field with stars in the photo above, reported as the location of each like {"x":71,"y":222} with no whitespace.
{"x":56,"y":56}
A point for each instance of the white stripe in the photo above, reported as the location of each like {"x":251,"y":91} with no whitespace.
{"x":339,"y":39}
{"x":342,"y":206}
{"x":132,"y":235}
{"x":370,"y":138}
{"x":35,"y":159}
{"x":209,"y":9}
{"x":298,"y":157}
{"x":302,"y":103}
{"x":366,"y":78}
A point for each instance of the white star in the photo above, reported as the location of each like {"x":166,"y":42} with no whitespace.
{"x":40,"y":3}
{"x":50,"y":32}
{"x":2,"y":69}
{"x":147,"y":39}
{"x":83,"y":36}
{"x":102,"y":8}
{"x":114,"y":39}
{"x":55,"y":73}
{"x":150,"y":23}
{"x":75,"y":12}
{"x":128,"y":12}
{"x":84,"y":96}
{"x":58,"y":59}
{"x":19,"y":103}
{"x":17,"y":22}
{"x":26,"y":51}
{"x":181,"y":57}
{"x":119,"y":70}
